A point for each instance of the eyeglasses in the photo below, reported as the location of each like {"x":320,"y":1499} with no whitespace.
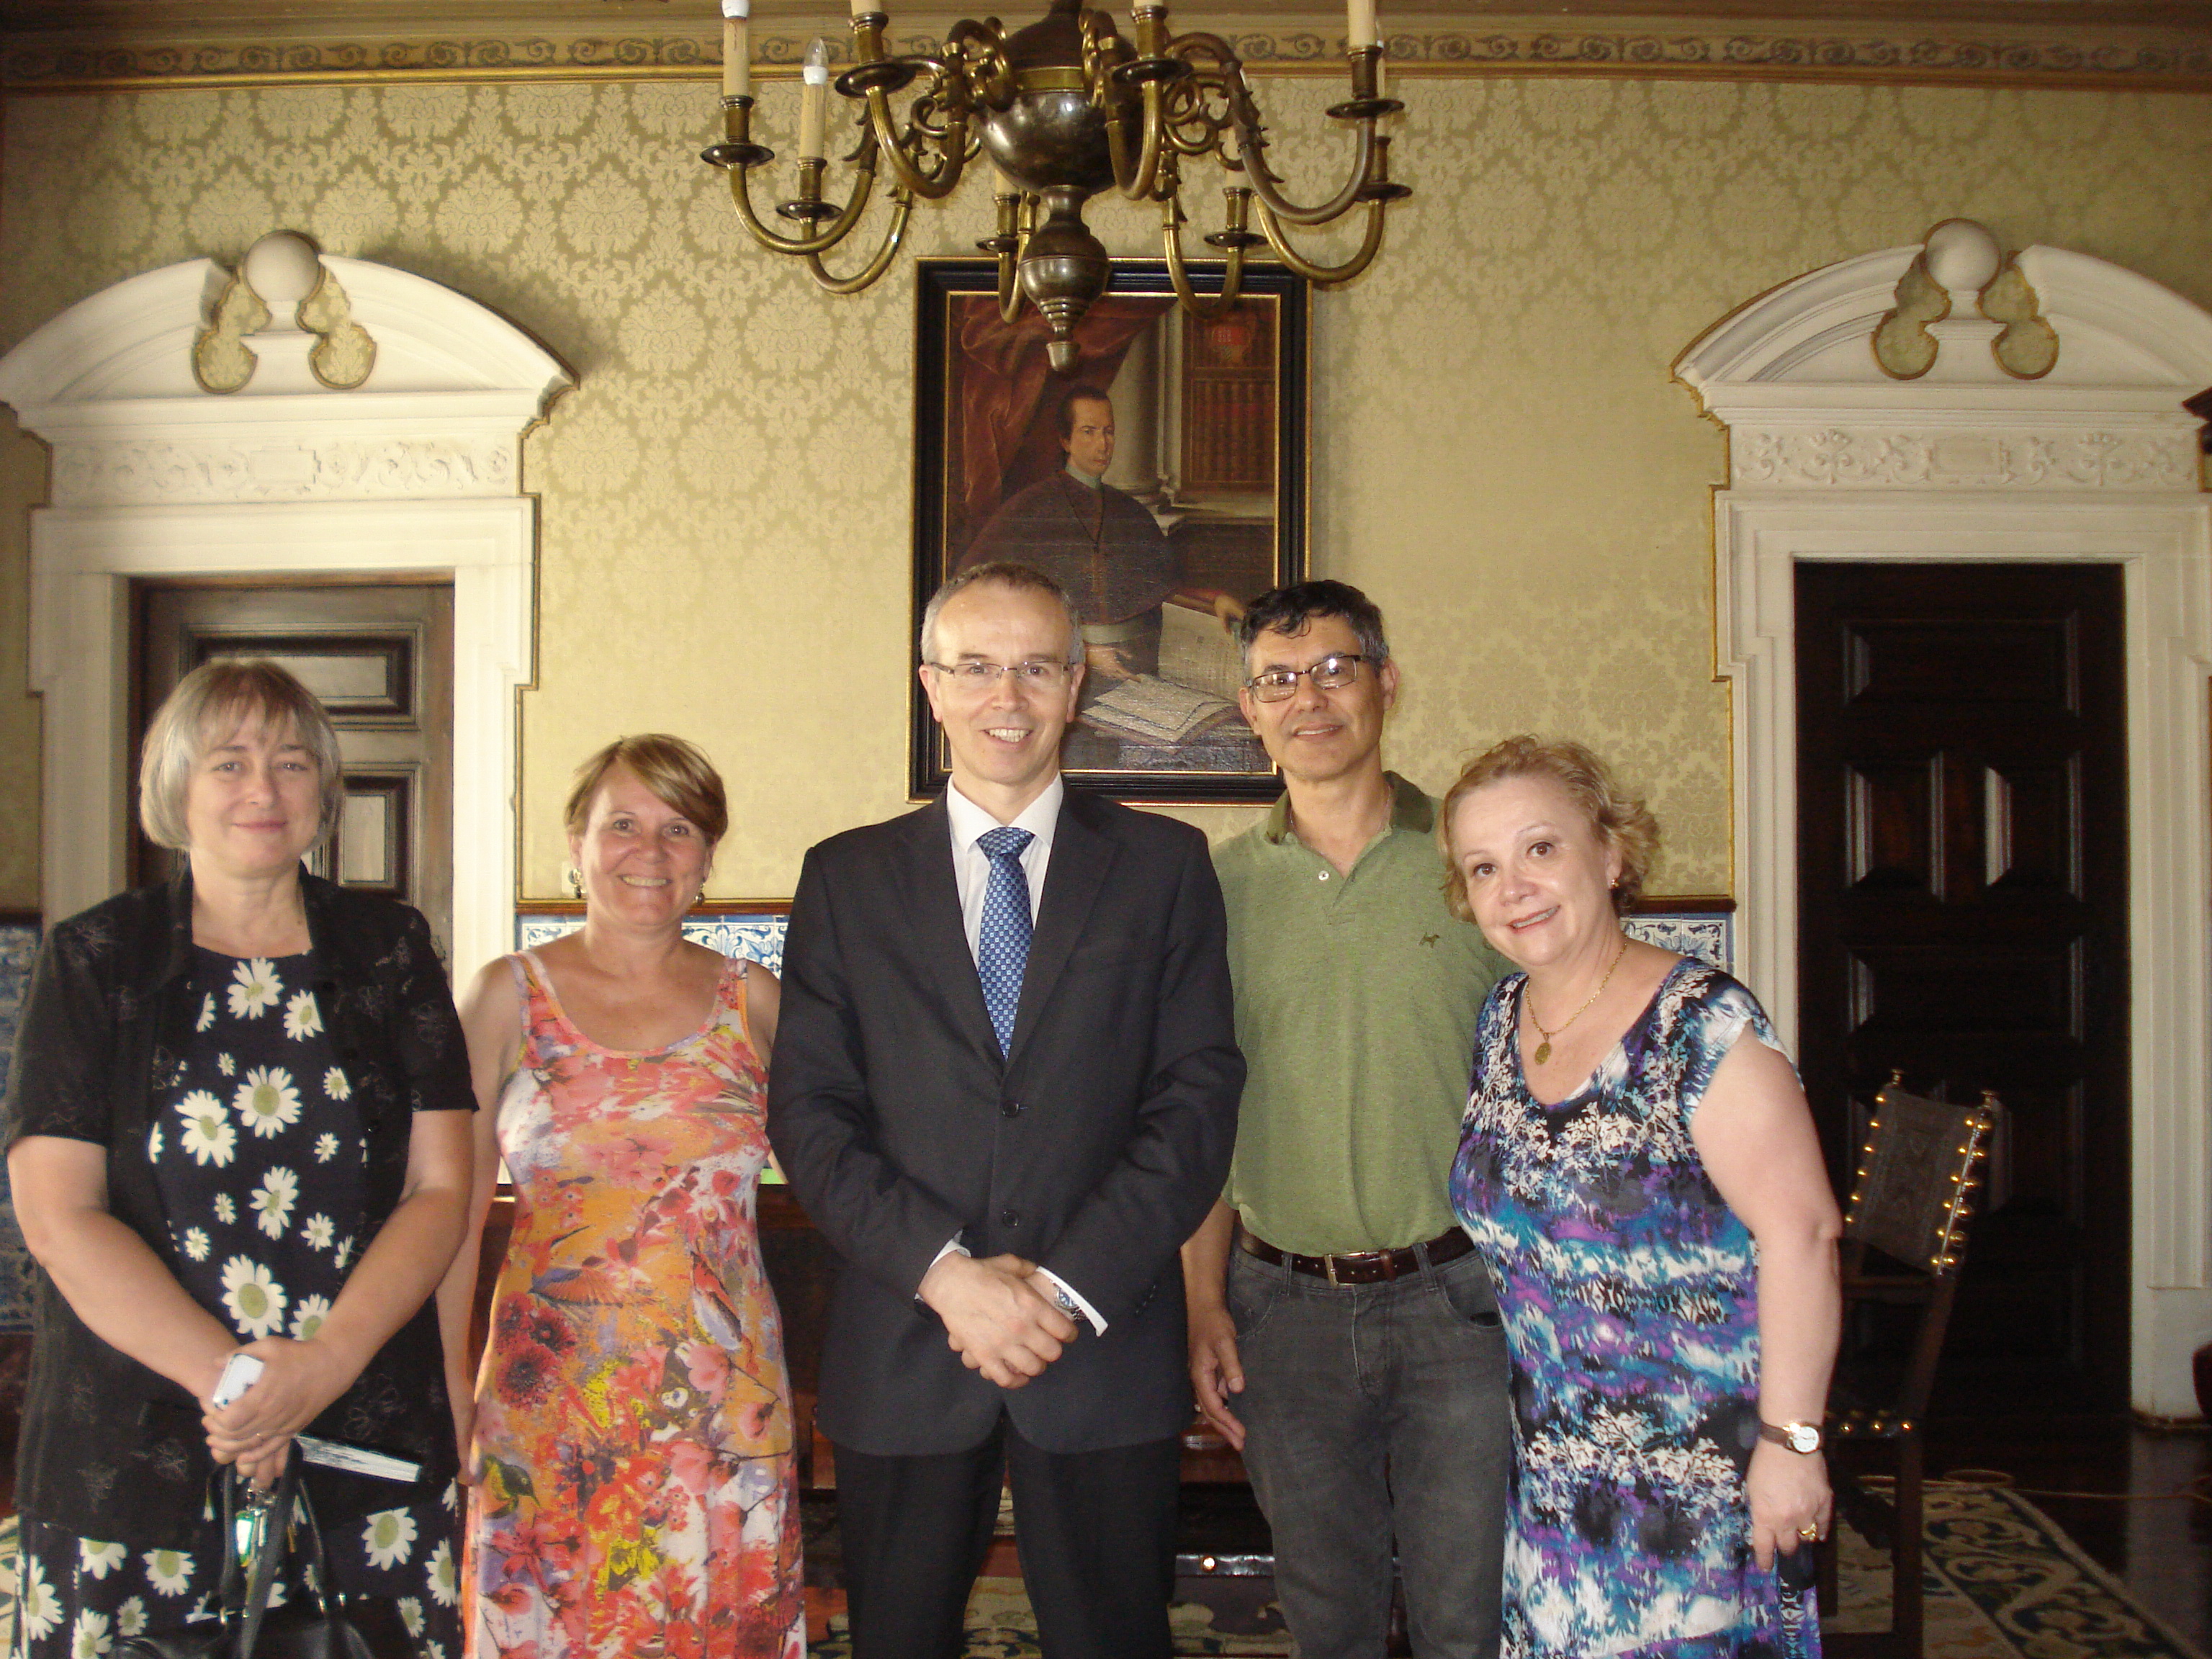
{"x":973,"y":675}
{"x":1329,"y":674}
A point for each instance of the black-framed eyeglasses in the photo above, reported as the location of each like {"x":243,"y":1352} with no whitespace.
{"x":1329,"y":674}
{"x":975,"y":675}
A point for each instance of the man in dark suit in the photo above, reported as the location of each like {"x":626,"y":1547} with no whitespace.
{"x":1005,"y":1088}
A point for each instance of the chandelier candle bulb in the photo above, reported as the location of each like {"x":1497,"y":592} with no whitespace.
{"x":814,"y":102}
{"x":1358,"y":24}
{"x":737,"y":49}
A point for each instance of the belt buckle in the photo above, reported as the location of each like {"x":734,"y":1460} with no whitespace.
{"x":1329,"y":1266}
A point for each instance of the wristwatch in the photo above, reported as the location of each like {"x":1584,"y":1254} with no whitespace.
{"x":1803,"y":1437}
{"x":1068,"y":1305}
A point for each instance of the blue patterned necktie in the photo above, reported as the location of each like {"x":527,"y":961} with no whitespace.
{"x":1002,"y":944}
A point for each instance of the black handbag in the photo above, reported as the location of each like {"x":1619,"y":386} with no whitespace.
{"x":247,"y":1628}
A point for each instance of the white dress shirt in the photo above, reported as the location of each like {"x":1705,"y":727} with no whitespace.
{"x":971,"y":873}
{"x":971,"y":865}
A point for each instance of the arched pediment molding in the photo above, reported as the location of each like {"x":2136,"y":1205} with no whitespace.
{"x":414,"y":469}
{"x":1833,"y":457}
{"x":133,"y":342}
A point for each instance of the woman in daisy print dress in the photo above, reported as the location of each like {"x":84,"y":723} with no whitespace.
{"x":635,"y":1488}
{"x":1638,"y":1169}
{"x":237,"y":1120}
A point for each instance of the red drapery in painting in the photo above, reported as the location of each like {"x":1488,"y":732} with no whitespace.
{"x":1009,"y":400}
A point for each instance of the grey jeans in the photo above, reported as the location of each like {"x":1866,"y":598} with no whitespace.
{"x":1376,"y":1411}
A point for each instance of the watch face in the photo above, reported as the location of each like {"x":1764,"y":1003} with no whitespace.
{"x":1803,"y":1437}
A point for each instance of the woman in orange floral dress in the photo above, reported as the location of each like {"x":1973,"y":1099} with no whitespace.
{"x":633,"y":1484}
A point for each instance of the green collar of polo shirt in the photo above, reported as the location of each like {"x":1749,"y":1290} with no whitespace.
{"x":1410,"y":809}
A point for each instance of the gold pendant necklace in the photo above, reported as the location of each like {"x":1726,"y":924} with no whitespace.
{"x":1544,"y":1048}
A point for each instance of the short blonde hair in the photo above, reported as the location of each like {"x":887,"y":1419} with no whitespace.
{"x":681,"y":778}
{"x":1621,"y":820}
{"x":212,"y":703}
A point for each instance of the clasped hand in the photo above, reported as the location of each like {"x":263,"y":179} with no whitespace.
{"x":1788,"y":1493}
{"x":298,"y":1380}
{"x":999,"y":1317}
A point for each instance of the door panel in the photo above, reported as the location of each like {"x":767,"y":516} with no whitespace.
{"x":380,"y":657}
{"x":1962,"y":800}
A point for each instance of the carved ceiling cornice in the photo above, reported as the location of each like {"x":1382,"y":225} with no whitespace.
{"x":82,"y":45}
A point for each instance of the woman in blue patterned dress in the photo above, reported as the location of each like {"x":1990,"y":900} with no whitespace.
{"x":1648,"y":1192}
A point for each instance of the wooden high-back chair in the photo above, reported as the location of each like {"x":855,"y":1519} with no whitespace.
{"x":1908,"y":1204}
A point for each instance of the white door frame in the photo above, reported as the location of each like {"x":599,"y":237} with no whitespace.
{"x":1832,"y":461}
{"x":412,"y":473}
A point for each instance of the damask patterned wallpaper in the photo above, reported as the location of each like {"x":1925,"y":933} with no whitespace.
{"x":1500,"y":455}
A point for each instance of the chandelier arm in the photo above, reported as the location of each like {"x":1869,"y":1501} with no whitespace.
{"x":1137,"y":180}
{"x":940,"y":181}
{"x":1251,"y":139}
{"x":1201,"y":305}
{"x":1324,"y":275}
{"x":1016,"y":219}
{"x":901,"y":205}
{"x":864,"y":186}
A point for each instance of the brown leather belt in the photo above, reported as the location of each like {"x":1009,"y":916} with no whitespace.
{"x":1363,"y":1266}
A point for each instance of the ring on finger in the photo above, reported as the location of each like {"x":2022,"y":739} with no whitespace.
{"x":1809,"y":1533}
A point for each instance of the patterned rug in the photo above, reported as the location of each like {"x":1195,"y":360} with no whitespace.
{"x":2003,"y":1583}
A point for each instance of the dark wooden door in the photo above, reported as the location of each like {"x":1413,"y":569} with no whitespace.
{"x":1962,"y":892}
{"x":379,"y":655}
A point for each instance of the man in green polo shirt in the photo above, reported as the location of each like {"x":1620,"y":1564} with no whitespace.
{"x":1349,"y":1344}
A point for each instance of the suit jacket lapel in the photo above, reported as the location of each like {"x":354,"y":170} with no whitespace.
{"x":933,"y":900}
{"x":1080,"y":855}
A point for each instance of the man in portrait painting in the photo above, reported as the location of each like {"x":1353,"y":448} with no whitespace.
{"x":1098,"y":543}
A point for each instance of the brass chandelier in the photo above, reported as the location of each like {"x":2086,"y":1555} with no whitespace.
{"x":1064,"y":108}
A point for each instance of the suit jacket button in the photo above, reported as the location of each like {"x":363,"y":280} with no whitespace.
{"x":1010,"y":1108}
{"x":1010,"y":1217}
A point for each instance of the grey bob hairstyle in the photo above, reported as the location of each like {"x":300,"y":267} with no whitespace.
{"x":209,"y":704}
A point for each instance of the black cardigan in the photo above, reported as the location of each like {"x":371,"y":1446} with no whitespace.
{"x":111,"y":1450}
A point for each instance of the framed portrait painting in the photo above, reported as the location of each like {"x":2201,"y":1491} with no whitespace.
{"x":1162,"y":482}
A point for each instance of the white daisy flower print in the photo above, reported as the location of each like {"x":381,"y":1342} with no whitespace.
{"x":207,"y":1013}
{"x":302,"y":1019}
{"x":256,"y":1301}
{"x":326,"y":1148}
{"x":452,"y":1499}
{"x":98,"y":1559}
{"x":433,"y":1651}
{"x":90,"y":1639}
{"x":390,"y":1535}
{"x":225,"y":1065}
{"x":153,"y":1145}
{"x":335,"y":1086}
{"x":273,"y":1200}
{"x":345,"y":1251}
{"x":266,"y":1102}
{"x":411,"y":1613}
{"x":130,"y":1617}
{"x":196,"y":1243}
{"x":208,"y":1134}
{"x":444,"y":1581}
{"x":313,"y":1310}
{"x":254,"y":988}
{"x":38,"y":1608}
{"x":319,"y":1231}
{"x":225,"y":1211}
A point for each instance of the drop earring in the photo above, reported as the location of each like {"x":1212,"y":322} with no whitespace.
{"x":574,"y":879}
